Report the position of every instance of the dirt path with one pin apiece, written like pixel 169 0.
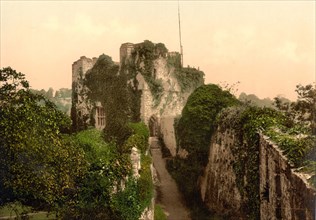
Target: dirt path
pixel 169 197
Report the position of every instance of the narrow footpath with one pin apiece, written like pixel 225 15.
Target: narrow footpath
pixel 169 197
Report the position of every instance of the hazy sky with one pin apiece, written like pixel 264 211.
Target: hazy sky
pixel 269 46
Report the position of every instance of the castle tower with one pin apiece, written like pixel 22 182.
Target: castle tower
pixel 126 50
pixel 81 109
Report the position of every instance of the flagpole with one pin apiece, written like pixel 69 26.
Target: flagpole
pixel 181 48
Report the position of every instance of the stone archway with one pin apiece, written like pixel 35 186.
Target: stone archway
pixel 153 126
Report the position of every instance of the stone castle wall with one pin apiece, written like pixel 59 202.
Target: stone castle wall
pixel 284 193
pixel 172 100
pixel 167 133
pixel 82 107
pixel 218 185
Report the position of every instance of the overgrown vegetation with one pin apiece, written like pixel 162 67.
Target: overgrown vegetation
pixel 247 122
pixel 38 164
pixel 302 111
pixel 106 85
pixel 79 176
pixel 193 132
pixel 142 61
pixel 108 190
pixel 189 78
pixel 206 110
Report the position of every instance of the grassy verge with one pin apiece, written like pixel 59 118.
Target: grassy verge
pixel 23 212
pixel 159 214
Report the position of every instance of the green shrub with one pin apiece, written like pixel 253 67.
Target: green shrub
pixel 140 128
pixel 197 123
pixel 106 168
pixel 193 133
pixel 130 202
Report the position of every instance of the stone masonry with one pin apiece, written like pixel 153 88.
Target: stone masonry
pixel 284 193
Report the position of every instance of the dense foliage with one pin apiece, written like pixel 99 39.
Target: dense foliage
pixel 107 86
pixel 131 201
pixel 78 176
pixel 246 122
pixel 206 111
pixel 37 163
pixel 197 122
pixel 193 132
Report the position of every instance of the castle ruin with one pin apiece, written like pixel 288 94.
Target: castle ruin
pixel 171 99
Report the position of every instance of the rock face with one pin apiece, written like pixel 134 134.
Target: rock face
pixel 284 193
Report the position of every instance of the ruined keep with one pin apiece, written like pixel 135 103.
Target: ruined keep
pixel 157 85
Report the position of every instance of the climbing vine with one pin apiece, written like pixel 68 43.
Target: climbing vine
pixel 189 78
pixel 247 122
pixel 142 61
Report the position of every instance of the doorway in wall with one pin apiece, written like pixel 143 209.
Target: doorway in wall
pixel 153 126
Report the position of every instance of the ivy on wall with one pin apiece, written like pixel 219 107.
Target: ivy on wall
pixel 79 117
pixel 189 78
pixel 208 109
pixel 144 55
pixel 246 122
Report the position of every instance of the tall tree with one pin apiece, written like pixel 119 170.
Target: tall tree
pixel 37 163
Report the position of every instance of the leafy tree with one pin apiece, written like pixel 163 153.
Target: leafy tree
pixel 303 110
pixel 37 163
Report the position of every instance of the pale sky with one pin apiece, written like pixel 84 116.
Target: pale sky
pixel 269 46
